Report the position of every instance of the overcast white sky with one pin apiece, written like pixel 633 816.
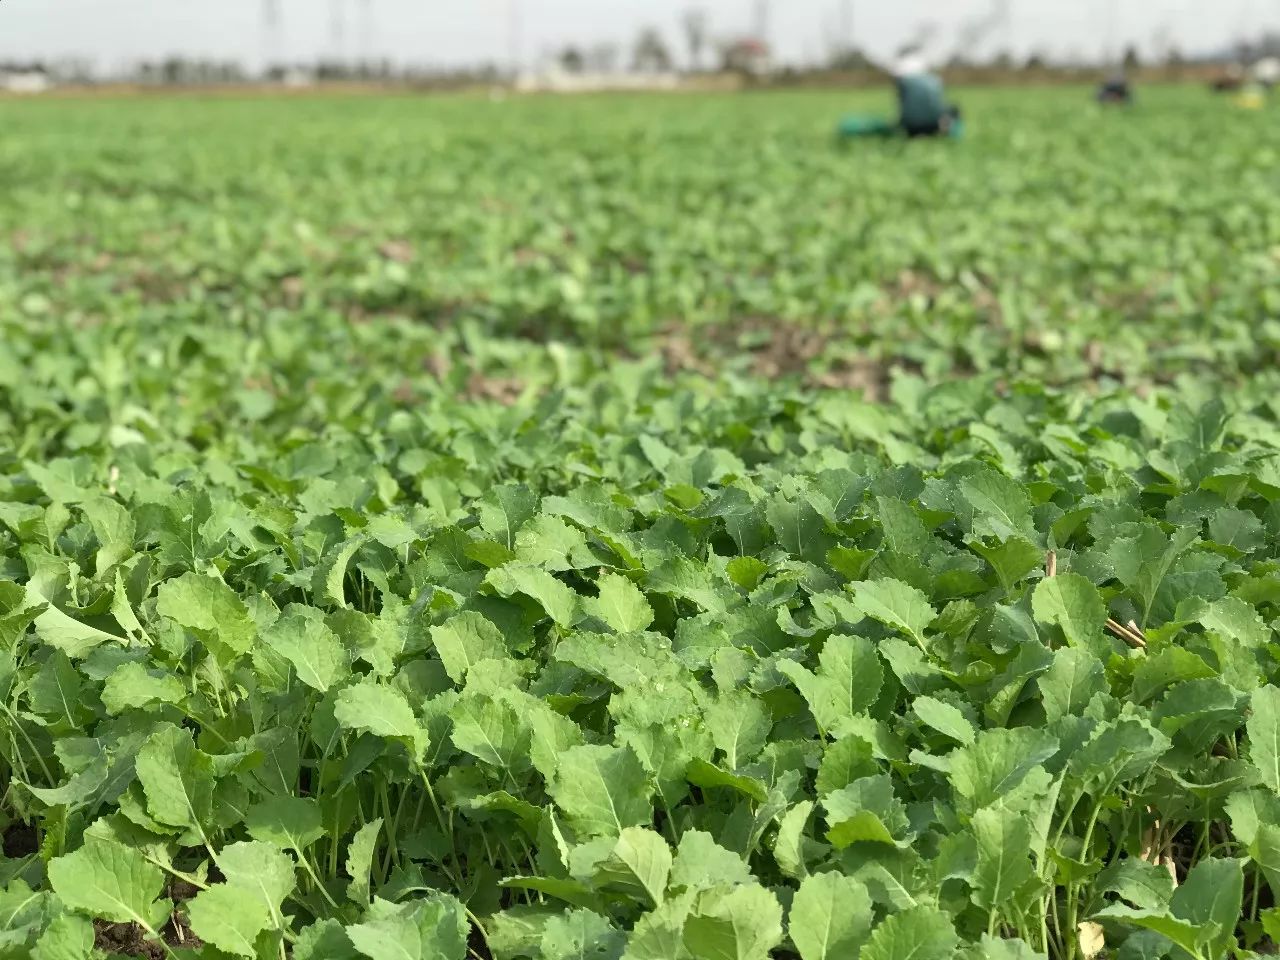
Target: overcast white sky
pixel 447 32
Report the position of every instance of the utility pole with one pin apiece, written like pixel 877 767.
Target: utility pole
pixel 271 33
pixel 367 32
pixel 338 30
pixel 1004 16
pixel 762 21
pixel 1112 55
pixel 514 27
pixel 846 25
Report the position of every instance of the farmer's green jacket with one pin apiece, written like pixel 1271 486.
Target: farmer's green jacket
pixel 921 101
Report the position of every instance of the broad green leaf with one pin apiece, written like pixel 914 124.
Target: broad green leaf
pixel 554 545
pixel 683 578
pixel 1249 809
pixel 1263 727
pixel 290 823
pixel 1199 712
pixel 1167 667
pixel 550 732
pixel 865 811
pixel 1264 850
pixel 1001 508
pixel 230 918
pixel 996 763
pixel 740 724
pixel 602 790
pixel 1004 867
pixel 360 860
pixel 1073 604
pixel 566 890
pixel 1234 618
pixel 848 680
pixel 830 917
pixel 1185 934
pixel 945 718
pixel 66 634
pixel 381 710
pixel 68 937
pixel 1143 561
pixel 84 783
pixel 262 868
pixel 1117 751
pixel 131 685
pixel 1074 678
pixel 111 882
pixel 314 650
pixel 903 530
pixel 1240 529
pixel 122 609
pixel 212 610
pixel 1211 897
pixel 434 929
pixel 895 604
pixel 734 923
pixel 639 864
pixel 843 762
pixel 580 935
pixel 113 526
pixel 517 931
pixel 492 731
pixel 792 845
pixel 176 778
pixel 329 582
pixel 1011 559
pixel 700 864
pixel 659 935
pixel 799 528
pixel 466 639
pixel 998 948
pixel 558 600
pixel 746 572
pixel 55 691
pixel 504 510
pixel 921 933
pixel 620 604
pixel 325 940
pixel 706 775
pixel 1144 885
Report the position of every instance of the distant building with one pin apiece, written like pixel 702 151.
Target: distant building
pixel 747 55
pixel 298 78
pixel 24 81
pixel 1267 71
pixel 293 76
pixel 555 79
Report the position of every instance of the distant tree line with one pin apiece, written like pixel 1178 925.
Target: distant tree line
pixel 702 50
pixel 179 71
pixel 651 52
pixel 64 70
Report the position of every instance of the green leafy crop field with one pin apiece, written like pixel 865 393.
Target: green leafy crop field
pixel 638 529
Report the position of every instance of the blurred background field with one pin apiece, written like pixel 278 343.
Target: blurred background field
pixel 600 512
pixel 457 240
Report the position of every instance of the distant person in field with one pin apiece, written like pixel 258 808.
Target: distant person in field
pixel 1116 90
pixel 923 110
